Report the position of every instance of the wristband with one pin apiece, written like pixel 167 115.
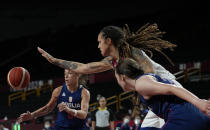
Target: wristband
pixel 75 112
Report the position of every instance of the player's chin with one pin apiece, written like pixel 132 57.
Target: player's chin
pixel 103 54
pixel 67 82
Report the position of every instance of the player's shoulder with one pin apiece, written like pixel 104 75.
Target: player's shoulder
pixel 145 77
pixel 85 91
pixel 58 88
pixel 136 51
pixel 107 59
pixel 56 91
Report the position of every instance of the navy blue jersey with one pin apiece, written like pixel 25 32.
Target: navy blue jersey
pixel 72 100
pixel 177 113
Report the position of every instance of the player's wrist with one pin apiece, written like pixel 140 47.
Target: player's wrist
pixel 53 59
pixel 33 116
pixel 196 101
pixel 75 112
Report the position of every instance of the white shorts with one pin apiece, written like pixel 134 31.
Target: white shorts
pixel 152 120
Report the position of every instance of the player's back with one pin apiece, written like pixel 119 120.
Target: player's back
pixel 158 69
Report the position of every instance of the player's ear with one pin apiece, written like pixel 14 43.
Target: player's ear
pixel 108 40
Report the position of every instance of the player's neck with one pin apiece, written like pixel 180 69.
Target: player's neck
pixel 131 83
pixel 72 87
pixel 114 53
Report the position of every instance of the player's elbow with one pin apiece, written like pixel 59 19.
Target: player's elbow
pixel 83 69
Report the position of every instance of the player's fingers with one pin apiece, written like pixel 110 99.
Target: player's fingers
pixel 60 109
pixel 44 56
pixel 20 120
pixel 22 115
pixel 59 105
pixel 40 49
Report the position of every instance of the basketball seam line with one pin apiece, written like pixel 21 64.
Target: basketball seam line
pixel 23 77
pixel 8 79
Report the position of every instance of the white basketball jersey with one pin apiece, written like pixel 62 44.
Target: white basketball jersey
pixel 161 71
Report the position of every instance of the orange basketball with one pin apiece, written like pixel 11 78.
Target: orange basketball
pixel 18 78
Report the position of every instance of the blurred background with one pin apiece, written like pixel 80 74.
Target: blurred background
pixel 69 31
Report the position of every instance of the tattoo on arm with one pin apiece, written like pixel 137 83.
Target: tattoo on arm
pixel 93 65
pixel 46 109
pixel 136 53
pixel 66 64
pixel 97 65
pixel 107 60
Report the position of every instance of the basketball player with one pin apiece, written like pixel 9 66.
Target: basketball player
pixel 180 109
pixel 116 43
pixel 72 101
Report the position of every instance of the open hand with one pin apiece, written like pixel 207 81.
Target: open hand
pixel 25 116
pixel 204 106
pixel 46 55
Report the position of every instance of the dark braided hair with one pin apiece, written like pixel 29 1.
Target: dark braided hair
pixel 147 38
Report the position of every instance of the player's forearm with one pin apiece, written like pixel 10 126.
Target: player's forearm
pixel 41 112
pixel 81 114
pixel 77 113
pixel 89 68
pixel 185 95
pixel 66 64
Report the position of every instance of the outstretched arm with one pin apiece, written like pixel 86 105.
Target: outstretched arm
pixel 42 111
pixel 150 87
pixel 82 114
pixel 89 68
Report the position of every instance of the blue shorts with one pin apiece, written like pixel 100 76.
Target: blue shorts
pixel 68 128
pixel 186 117
pixel 150 128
